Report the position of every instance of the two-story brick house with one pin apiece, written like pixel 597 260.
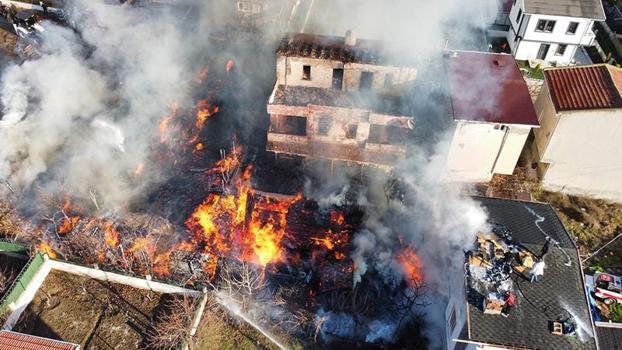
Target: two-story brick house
pixel 552 30
pixel 338 99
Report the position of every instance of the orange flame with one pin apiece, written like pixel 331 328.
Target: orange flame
pixel 337 217
pixel 111 235
pixel 204 111
pixel 411 265
pixel 68 224
pixel 161 264
pixel 43 247
pixel 164 123
pixel 224 224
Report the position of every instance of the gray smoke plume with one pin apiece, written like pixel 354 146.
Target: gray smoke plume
pixel 85 113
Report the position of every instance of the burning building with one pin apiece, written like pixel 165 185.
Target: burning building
pixel 496 306
pixel 339 99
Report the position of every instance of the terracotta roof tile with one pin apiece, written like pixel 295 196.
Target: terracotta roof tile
pixel 18 341
pixel 585 87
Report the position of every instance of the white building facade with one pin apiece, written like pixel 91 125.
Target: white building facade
pixel 552 31
pixel 578 145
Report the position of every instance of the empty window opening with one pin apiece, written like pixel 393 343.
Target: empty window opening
pixel 572 28
pixel 387 134
pixel 520 13
pixel 337 79
pixel 290 125
pixel 545 26
pixel 351 130
pixel 306 72
pixel 367 79
pixel 323 125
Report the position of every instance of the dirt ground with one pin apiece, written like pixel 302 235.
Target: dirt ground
pixel 92 313
pixel 218 330
pixel 593 222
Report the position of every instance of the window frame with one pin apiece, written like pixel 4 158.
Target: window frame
pixel 545 23
pixel 576 24
pixel 520 14
pixel 306 72
pixel 557 49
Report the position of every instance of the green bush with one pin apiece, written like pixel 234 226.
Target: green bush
pixel 615 312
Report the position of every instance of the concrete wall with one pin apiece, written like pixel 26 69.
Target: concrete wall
pixel 289 72
pixel 22 302
pixel 548 121
pixel 475 147
pixel 584 155
pixel 457 303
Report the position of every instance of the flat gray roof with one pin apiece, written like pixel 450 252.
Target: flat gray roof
pixel 592 9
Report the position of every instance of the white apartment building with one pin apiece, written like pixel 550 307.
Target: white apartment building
pixel 552 30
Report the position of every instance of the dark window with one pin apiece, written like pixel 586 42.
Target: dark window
pixel 290 125
pixel 572 28
pixel 367 79
pixel 323 125
pixel 337 79
pixel 543 51
pixel 387 134
pixel 561 49
pixel 545 26
pixel 520 13
pixel 388 80
pixel 306 72
pixel 351 131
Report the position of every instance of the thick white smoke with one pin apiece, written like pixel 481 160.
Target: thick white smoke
pixel 84 114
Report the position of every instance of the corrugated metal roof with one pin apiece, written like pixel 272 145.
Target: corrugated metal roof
pixel 592 9
pixel 19 341
pixel 488 87
pixel 585 87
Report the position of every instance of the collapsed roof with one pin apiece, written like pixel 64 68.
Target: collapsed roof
pixel 334 48
pixel 304 96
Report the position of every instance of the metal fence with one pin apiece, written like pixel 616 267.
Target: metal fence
pixel 21 282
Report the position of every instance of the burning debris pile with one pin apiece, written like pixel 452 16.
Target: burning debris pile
pixel 154 188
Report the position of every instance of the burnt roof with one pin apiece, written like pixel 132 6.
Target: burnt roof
pixel 561 287
pixel 19 341
pixel 592 9
pixel 585 87
pixel 303 96
pixel 334 48
pixel 488 87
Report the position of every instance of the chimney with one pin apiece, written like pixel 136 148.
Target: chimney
pixel 350 38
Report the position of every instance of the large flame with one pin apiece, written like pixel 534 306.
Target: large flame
pixel 227 226
pixel 411 265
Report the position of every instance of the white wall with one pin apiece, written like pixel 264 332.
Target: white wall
pixel 585 154
pixel 527 48
pixel 475 146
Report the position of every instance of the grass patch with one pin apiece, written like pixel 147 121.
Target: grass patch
pixel 533 73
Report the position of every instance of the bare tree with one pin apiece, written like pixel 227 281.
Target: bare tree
pixel 241 282
pixel 6 279
pixel 173 328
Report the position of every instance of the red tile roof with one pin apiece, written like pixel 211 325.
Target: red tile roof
pixel 18 341
pixel 585 87
pixel 488 87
